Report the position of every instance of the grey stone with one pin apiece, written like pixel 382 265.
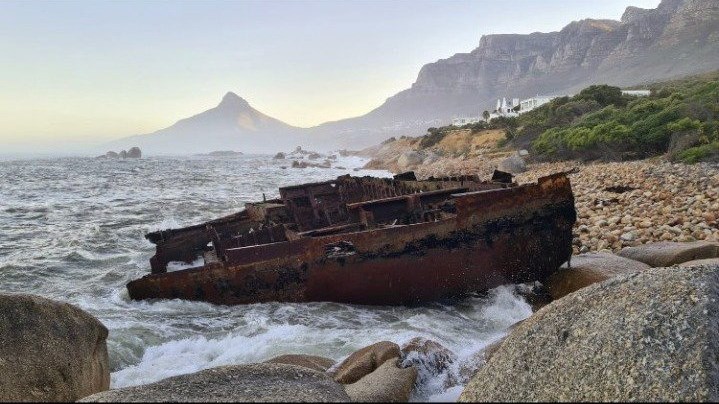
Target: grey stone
pixel 50 351
pixel 588 269
pixel 512 164
pixel 313 362
pixel 695 263
pixel 134 153
pixel 666 253
pixel 388 383
pixel 430 358
pixel 365 361
pixel 651 335
pixel 257 382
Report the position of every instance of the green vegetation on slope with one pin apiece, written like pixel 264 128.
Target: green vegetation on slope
pixel 679 117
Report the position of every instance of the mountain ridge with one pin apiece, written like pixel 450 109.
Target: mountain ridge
pixel 678 38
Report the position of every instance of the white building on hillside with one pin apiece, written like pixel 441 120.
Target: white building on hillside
pixel 534 102
pixel 637 93
pixel 466 120
pixel 505 108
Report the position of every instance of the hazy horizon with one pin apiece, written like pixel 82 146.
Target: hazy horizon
pixel 80 72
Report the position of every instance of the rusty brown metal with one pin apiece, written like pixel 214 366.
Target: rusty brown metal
pixel 371 240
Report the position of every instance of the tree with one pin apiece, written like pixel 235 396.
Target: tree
pixel 485 115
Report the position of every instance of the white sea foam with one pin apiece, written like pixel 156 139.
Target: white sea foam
pixel 180 265
pixel 268 330
pixel 74 231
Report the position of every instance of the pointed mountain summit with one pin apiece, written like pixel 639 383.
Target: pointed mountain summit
pixel 232 125
pixel 233 101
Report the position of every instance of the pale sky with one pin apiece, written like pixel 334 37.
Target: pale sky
pixel 72 71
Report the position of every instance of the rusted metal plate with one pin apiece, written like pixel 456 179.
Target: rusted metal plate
pixel 454 244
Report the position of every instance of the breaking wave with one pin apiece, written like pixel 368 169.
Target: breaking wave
pixel 74 231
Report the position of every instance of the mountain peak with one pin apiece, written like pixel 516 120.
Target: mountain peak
pixel 232 100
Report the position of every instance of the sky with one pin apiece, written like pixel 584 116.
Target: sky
pixel 79 71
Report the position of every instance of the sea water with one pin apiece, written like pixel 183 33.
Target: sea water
pixel 72 229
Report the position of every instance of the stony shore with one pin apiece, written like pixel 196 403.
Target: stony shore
pixel 632 203
pixel 622 204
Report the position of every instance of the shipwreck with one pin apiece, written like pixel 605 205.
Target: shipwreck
pixel 366 240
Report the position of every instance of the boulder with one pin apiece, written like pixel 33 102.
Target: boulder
pixel 409 159
pixel 50 351
pixel 134 153
pixel 695 263
pixel 513 164
pixel 651 335
pixel 264 382
pixel 112 155
pixel 313 362
pixel 365 361
pixel 430 357
pixel 279 156
pixel 587 269
pixel 387 384
pixel 665 253
pixel 123 154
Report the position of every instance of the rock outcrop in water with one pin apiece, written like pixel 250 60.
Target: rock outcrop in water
pixel 651 335
pixel 50 351
pixel 133 153
pixel 267 382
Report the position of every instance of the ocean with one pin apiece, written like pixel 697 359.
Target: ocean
pixel 73 230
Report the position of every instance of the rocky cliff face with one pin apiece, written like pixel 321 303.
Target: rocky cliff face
pixel 679 37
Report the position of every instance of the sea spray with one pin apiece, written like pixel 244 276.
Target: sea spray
pixel 73 230
pixel 334 330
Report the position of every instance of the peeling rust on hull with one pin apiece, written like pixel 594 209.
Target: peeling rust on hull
pixel 370 241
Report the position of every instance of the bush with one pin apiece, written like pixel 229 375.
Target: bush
pixel 696 154
pixel 601 123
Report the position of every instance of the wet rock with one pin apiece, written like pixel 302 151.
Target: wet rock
pixel 313 362
pixel 513 164
pixel 664 254
pixel 645 336
pixel 365 361
pixel 50 351
pixel 388 383
pixel 588 269
pixel 268 382
pixel 429 357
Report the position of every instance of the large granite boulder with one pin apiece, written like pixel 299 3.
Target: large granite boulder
pixel 695 263
pixel 387 384
pixel 588 269
pixel 50 351
pixel 666 253
pixel 134 153
pixel 651 335
pixel 365 361
pixel 257 382
pixel 313 362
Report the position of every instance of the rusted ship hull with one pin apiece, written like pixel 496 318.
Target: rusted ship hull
pixel 496 237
